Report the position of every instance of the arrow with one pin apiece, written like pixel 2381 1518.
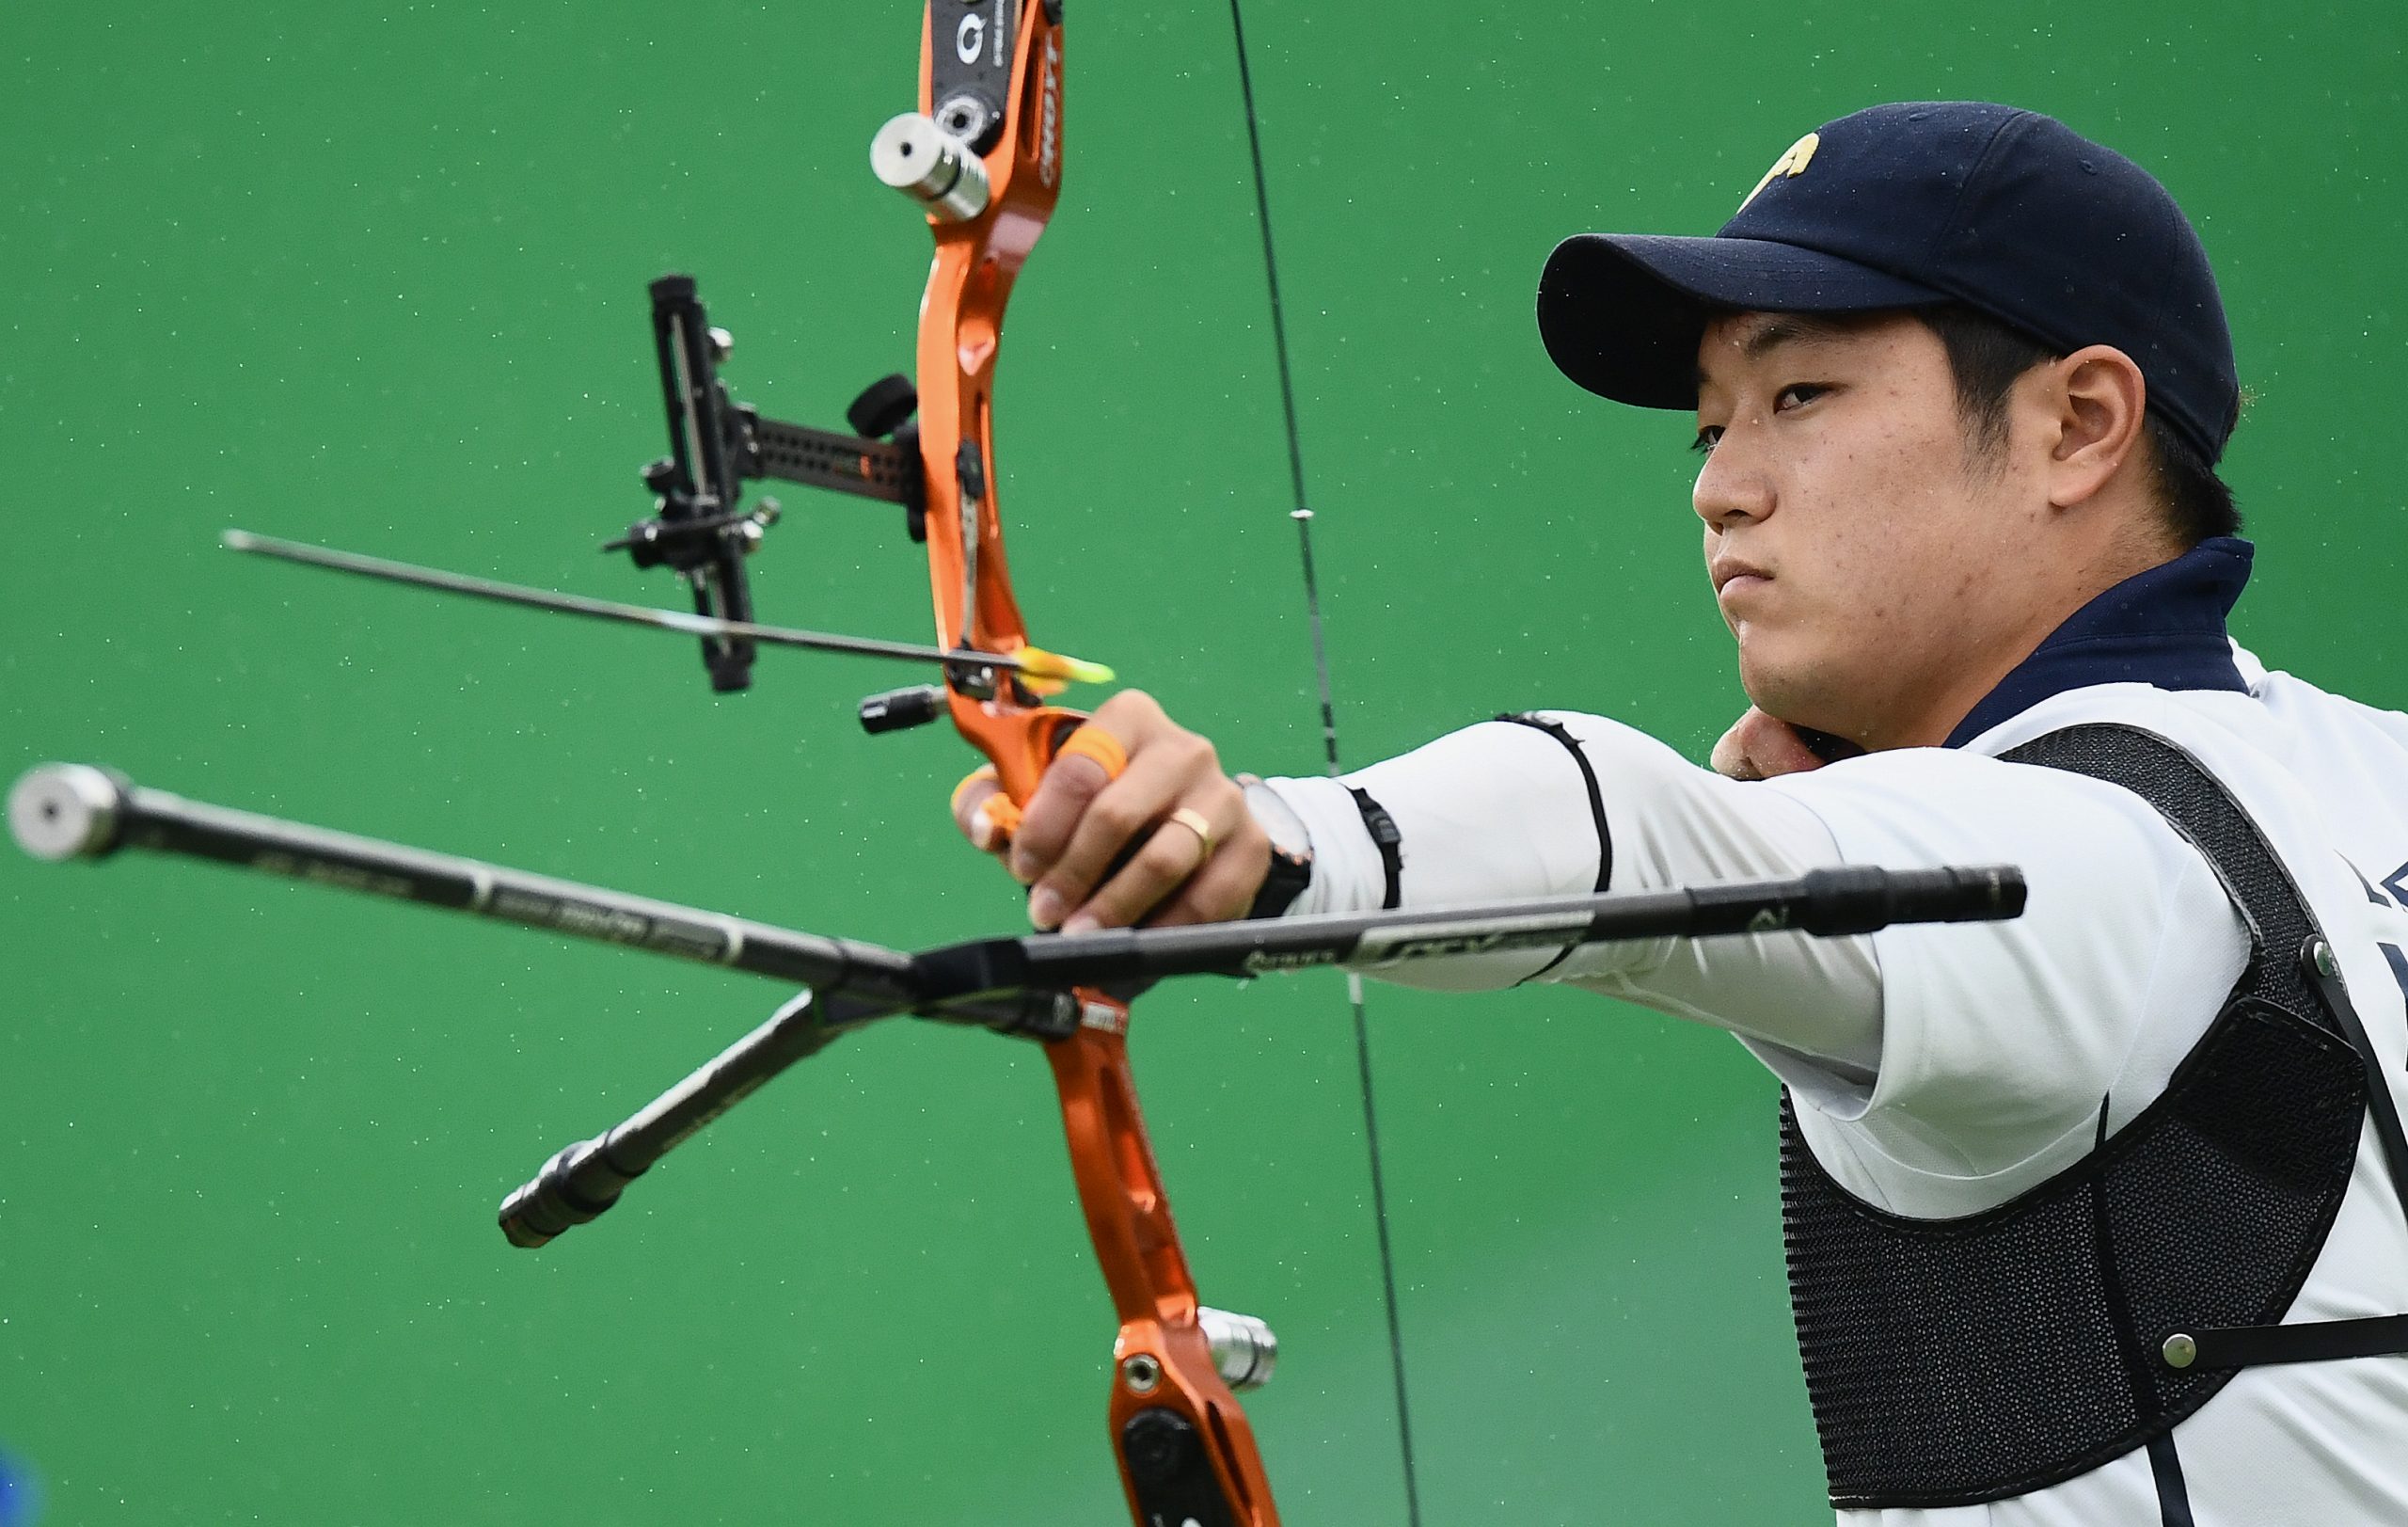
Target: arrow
pixel 1040 667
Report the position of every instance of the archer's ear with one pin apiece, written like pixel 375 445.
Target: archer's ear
pixel 2099 401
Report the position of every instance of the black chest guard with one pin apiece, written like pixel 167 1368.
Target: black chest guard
pixel 1954 1362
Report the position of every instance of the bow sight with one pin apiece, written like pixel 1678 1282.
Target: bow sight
pixel 716 445
pixel 697 527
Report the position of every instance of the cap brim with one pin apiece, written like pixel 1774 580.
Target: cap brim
pixel 1622 313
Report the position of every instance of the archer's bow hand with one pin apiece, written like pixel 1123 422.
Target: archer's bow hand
pixel 1167 840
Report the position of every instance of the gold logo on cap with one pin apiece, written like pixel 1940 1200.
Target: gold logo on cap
pixel 1793 161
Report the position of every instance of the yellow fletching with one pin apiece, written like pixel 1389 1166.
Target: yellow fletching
pixel 1048 673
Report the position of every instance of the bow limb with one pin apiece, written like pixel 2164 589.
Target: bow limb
pixel 1186 1452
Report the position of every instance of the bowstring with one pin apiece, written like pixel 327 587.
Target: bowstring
pixel 1302 516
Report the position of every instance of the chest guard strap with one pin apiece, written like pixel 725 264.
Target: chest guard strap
pixel 1954 1361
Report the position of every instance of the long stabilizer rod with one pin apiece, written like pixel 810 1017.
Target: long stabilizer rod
pixel 70 811
pixel 77 811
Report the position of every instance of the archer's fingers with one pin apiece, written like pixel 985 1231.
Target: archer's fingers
pixel 1729 755
pixel 1223 890
pixel 1130 719
pixel 1071 784
pixel 1177 768
pixel 1176 861
pixel 970 799
pixel 1759 746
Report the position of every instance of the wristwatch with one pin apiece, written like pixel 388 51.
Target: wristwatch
pixel 1292 849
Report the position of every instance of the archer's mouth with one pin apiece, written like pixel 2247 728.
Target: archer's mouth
pixel 1730 572
pixel 1735 586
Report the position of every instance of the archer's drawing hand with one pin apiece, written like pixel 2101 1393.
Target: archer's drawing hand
pixel 1081 820
pixel 1758 746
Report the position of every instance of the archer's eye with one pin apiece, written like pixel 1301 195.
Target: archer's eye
pixel 1708 436
pixel 1797 395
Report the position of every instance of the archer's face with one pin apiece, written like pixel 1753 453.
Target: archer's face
pixel 1861 553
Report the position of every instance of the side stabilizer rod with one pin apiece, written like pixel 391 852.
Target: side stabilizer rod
pixel 583 1181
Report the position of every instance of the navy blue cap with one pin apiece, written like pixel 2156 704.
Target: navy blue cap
pixel 2003 211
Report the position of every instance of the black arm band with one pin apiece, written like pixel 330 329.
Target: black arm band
pixel 1588 776
pixel 1384 832
pixel 1597 811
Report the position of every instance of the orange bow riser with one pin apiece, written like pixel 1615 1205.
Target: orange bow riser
pixel 984 155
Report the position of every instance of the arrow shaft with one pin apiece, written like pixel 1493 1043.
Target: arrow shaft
pixel 579 604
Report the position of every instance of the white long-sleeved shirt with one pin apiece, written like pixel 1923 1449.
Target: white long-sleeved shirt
pixel 1941 1070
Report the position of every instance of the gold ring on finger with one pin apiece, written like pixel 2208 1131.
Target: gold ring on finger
pixel 1197 822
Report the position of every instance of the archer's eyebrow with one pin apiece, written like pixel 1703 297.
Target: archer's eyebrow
pixel 1780 329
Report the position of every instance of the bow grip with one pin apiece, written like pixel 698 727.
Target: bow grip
pixel 1033 739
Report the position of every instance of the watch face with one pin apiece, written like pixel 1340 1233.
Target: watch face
pixel 1278 821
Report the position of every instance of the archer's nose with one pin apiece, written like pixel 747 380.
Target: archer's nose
pixel 1730 490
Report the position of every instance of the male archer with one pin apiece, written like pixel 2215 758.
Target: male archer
pixel 2092 1217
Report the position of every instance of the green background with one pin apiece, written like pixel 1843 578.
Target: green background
pixel 374 277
